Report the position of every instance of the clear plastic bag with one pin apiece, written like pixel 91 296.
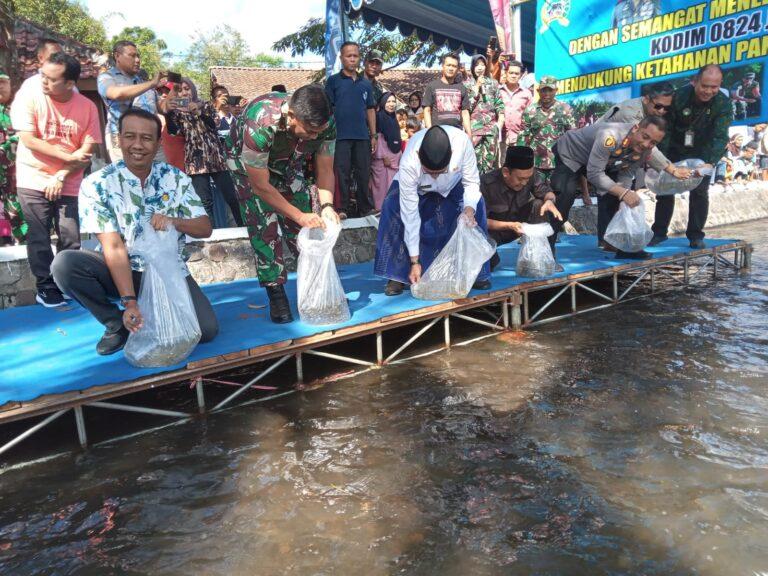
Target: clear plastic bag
pixel 170 330
pixel 664 184
pixel 535 259
pixel 454 271
pixel 321 295
pixel 628 230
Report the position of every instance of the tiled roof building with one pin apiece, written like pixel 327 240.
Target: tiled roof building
pixel 252 82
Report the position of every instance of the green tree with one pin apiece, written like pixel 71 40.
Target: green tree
pixel 67 17
pixel 222 46
pixel 397 49
pixel 153 50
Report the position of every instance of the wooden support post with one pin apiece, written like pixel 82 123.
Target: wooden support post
pixel 200 396
pixel 80 422
pixel 505 313
pixel 517 311
pixel 573 296
pixel 379 349
pixel 299 368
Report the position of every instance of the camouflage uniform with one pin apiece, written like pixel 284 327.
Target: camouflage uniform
pixel 485 107
pixel 541 129
pixel 260 139
pixel 11 205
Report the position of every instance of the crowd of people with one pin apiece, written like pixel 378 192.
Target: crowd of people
pixel 476 144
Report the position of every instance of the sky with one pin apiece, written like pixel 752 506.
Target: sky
pixel 175 20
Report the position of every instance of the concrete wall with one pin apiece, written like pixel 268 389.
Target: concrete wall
pixel 225 257
pixel 228 256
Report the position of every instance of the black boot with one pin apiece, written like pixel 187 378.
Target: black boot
pixel 279 308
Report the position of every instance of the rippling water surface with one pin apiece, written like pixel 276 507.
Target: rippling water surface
pixel 627 441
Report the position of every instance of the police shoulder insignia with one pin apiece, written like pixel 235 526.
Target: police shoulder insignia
pixel 609 142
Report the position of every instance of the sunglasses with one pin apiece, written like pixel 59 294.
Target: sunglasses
pixel 661 106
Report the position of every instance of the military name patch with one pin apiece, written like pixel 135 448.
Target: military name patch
pixel 610 142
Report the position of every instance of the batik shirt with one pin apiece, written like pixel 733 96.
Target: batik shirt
pixel 8 140
pixel 115 108
pixel 113 200
pixel 203 152
pixel 485 106
pixel 542 128
pixel 260 139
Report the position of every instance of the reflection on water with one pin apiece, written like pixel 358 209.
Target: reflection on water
pixel 629 441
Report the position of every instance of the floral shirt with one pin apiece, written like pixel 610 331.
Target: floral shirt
pixel 542 128
pixel 260 139
pixel 113 200
pixel 203 151
pixel 485 106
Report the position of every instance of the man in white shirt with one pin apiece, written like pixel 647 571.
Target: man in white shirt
pixel 437 182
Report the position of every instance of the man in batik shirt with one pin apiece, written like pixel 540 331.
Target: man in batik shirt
pixel 543 123
pixel 281 150
pixel 12 223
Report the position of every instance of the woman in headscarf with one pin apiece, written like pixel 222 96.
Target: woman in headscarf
pixel 12 224
pixel 486 112
pixel 415 109
pixel 204 157
pixel 386 159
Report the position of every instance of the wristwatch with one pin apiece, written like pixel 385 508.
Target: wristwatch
pixel 125 299
pixel 59 177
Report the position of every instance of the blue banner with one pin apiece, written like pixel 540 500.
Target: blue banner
pixel 334 36
pixel 605 51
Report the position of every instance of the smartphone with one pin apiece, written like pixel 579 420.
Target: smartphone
pixel 182 103
pixel 234 100
pixel 174 77
pixel 493 43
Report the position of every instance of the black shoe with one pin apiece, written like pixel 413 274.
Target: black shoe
pixel 656 240
pixel 642 255
pixel 482 285
pixel 111 342
pixel 697 244
pixel 279 308
pixel 495 261
pixel 394 288
pixel 50 297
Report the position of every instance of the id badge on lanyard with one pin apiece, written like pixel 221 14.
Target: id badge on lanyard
pixel 688 139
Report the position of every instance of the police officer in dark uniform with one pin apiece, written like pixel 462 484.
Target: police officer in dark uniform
pixel 513 195
pixel 698 128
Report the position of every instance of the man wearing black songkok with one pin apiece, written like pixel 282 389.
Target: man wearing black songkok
pixel 437 182
pixel 514 195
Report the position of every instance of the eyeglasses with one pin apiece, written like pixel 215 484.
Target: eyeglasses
pixel 661 106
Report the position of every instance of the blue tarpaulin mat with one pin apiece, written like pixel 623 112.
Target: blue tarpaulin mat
pixel 48 351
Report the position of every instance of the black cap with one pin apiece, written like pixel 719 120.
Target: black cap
pixel 519 158
pixel 374 55
pixel 435 151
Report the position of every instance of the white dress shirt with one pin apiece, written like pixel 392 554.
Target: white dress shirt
pixel 414 182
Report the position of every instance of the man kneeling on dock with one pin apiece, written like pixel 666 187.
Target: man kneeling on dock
pixel 116 204
pixel 437 181
pixel 514 194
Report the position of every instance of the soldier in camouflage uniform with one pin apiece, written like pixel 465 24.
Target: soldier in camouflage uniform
pixel 12 224
pixel 281 152
pixel 486 114
pixel 543 123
